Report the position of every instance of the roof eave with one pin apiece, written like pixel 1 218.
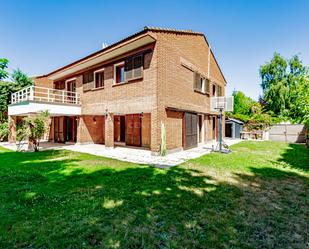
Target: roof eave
pixel 137 41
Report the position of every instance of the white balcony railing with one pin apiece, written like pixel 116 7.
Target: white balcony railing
pixel 43 94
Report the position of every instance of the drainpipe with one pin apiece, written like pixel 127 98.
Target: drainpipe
pixel 209 51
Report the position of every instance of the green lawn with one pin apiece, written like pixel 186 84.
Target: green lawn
pixel 255 197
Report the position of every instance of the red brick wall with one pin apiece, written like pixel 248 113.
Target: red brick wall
pixel 43 82
pixel 91 129
pixel 174 129
pixel 175 82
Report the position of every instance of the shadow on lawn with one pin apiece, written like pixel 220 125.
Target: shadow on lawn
pixel 145 207
pixel 296 156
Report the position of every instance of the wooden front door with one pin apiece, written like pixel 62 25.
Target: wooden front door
pixel 59 126
pixel 133 129
pixel 190 130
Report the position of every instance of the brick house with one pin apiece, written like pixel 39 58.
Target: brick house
pixel 122 94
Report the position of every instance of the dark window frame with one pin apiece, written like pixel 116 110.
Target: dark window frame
pixel 117 80
pixel 101 73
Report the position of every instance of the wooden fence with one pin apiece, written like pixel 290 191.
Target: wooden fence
pixel 290 133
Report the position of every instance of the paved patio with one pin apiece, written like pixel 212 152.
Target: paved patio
pixel 139 156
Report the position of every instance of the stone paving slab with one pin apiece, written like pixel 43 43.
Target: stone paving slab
pixel 133 155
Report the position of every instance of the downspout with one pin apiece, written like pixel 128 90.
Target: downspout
pixel 209 51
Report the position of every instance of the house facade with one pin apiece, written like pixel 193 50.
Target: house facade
pixel 122 94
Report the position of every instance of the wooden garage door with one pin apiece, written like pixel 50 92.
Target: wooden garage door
pixel 190 130
pixel 133 129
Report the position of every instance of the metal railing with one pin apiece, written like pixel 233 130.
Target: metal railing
pixel 43 94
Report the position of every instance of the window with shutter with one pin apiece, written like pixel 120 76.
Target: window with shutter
pixel 137 66
pixel 219 91
pixel 214 90
pixel 128 69
pixel 196 80
pixel 88 77
pixel 119 73
pixel 99 79
pixel 207 86
pixel 199 83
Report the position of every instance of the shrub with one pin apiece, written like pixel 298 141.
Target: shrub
pixel 4 131
pixel 33 128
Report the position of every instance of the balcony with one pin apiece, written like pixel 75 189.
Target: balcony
pixel 33 99
pixel 43 94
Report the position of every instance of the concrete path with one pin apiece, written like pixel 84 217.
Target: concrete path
pixel 139 156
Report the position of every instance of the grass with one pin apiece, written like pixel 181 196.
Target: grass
pixel 255 197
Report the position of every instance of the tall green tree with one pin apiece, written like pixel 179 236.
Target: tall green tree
pixel 21 79
pixel 18 81
pixel 3 68
pixel 275 85
pixel 242 104
pixel 281 82
pixel 299 107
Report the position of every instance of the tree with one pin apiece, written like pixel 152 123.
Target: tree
pixel 299 108
pixel 250 112
pixel 4 131
pixel 275 85
pixel 282 81
pixel 6 88
pixel 3 68
pixel 21 79
pixel 242 103
pixel 33 129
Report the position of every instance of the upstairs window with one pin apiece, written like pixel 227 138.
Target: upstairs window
pixel 88 77
pixel 130 69
pixel 99 78
pixel 220 93
pixel 207 85
pixel 199 83
pixel 214 90
pixel 59 85
pixel 119 73
pixel 217 90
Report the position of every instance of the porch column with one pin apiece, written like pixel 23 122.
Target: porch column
pixel 109 130
pixel 12 128
pixel 79 123
pixel 155 135
pixel 203 130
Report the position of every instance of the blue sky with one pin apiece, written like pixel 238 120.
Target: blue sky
pixel 39 36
